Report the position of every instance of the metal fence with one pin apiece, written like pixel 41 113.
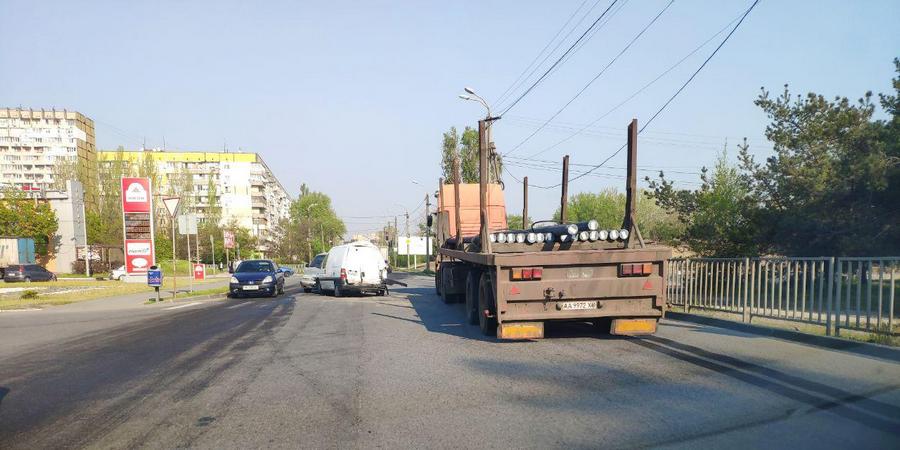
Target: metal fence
pixel 850 293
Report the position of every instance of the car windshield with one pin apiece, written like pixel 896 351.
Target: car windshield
pixel 317 261
pixel 255 266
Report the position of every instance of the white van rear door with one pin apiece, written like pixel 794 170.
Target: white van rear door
pixel 371 265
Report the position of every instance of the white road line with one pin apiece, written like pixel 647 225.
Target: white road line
pixel 181 306
pixel 238 305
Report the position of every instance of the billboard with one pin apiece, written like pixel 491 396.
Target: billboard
pixel 416 245
pixel 137 223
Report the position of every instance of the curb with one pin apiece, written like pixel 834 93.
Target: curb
pixel 833 343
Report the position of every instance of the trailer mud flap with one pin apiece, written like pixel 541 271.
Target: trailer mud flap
pixel 633 327
pixel 521 330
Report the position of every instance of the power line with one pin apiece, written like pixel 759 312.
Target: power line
pixel 558 61
pixel 596 77
pixel 515 85
pixel 666 104
pixel 639 91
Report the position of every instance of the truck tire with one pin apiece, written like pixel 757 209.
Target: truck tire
pixel 487 304
pixel 445 297
pixel 437 282
pixel 472 284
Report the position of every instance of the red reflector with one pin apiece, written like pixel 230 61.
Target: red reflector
pixel 627 269
pixel 526 274
pixel 517 274
pixel 343 274
pixel 537 273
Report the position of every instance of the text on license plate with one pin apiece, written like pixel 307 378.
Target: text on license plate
pixel 568 306
pixel 251 288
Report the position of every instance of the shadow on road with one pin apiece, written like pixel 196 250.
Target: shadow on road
pixel 860 408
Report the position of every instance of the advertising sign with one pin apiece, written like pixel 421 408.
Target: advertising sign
pixel 138 255
pixel 415 244
pixel 137 224
pixel 154 277
pixel 136 195
pixel 199 271
pixel 228 236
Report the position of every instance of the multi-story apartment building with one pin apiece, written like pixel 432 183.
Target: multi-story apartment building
pixel 247 192
pixel 36 144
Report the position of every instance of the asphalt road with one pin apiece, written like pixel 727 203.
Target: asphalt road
pixel 404 372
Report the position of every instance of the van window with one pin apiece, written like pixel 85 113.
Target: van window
pixel 318 261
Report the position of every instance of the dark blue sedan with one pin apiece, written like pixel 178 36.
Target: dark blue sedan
pixel 256 277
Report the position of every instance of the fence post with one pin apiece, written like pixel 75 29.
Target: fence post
pixel 828 309
pixel 744 309
pixel 689 269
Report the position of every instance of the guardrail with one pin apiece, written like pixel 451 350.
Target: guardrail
pixel 856 293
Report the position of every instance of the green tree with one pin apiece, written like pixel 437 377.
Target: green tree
pixel 465 147
pixel 317 225
pixel 608 208
pixel 514 221
pixel 23 217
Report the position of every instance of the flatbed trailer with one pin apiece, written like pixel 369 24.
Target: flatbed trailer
pixel 511 289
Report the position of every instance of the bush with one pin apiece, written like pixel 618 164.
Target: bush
pixel 96 266
pixel 29 294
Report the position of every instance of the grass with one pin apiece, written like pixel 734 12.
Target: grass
pixel 81 291
pixel 196 293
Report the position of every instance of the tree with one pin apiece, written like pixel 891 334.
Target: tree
pixel 514 221
pixel 608 208
pixel 317 225
pixel 23 217
pixel 465 147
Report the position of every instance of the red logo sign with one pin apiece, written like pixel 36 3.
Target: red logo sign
pixel 228 237
pixel 513 290
pixel 136 194
pixel 138 255
pixel 199 271
pixel 648 286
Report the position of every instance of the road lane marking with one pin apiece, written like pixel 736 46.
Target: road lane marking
pixel 238 305
pixel 181 306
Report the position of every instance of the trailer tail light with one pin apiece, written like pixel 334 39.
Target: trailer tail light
pixel 344 274
pixel 635 270
pixel 526 273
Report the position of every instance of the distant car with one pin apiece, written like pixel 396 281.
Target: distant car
pixel 312 271
pixel 27 273
pixel 357 268
pixel 118 274
pixel 256 277
pixel 287 271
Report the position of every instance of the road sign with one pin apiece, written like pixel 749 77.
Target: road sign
pixel 154 277
pixel 199 271
pixel 171 205
pixel 187 224
pixel 228 236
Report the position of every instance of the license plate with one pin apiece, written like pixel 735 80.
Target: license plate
pixel 251 288
pixel 569 306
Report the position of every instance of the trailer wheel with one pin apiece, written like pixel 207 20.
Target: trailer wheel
pixel 603 324
pixel 487 306
pixel 447 298
pixel 472 285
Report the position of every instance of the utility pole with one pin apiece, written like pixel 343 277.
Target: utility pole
pixel 212 249
pixel 396 243
pixel 525 203
pixel 427 233
pixel 190 266
pixel 87 246
pixel 407 240
pixel 564 201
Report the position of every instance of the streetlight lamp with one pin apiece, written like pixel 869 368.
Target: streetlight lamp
pixel 476 98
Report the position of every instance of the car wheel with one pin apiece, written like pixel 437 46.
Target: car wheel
pixel 307 290
pixel 121 277
pixel 28 279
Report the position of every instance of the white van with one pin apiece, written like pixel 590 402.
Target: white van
pixel 357 267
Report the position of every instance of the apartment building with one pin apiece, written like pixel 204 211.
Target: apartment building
pixel 39 146
pixel 246 190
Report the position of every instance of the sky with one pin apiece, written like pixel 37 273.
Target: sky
pixel 352 98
